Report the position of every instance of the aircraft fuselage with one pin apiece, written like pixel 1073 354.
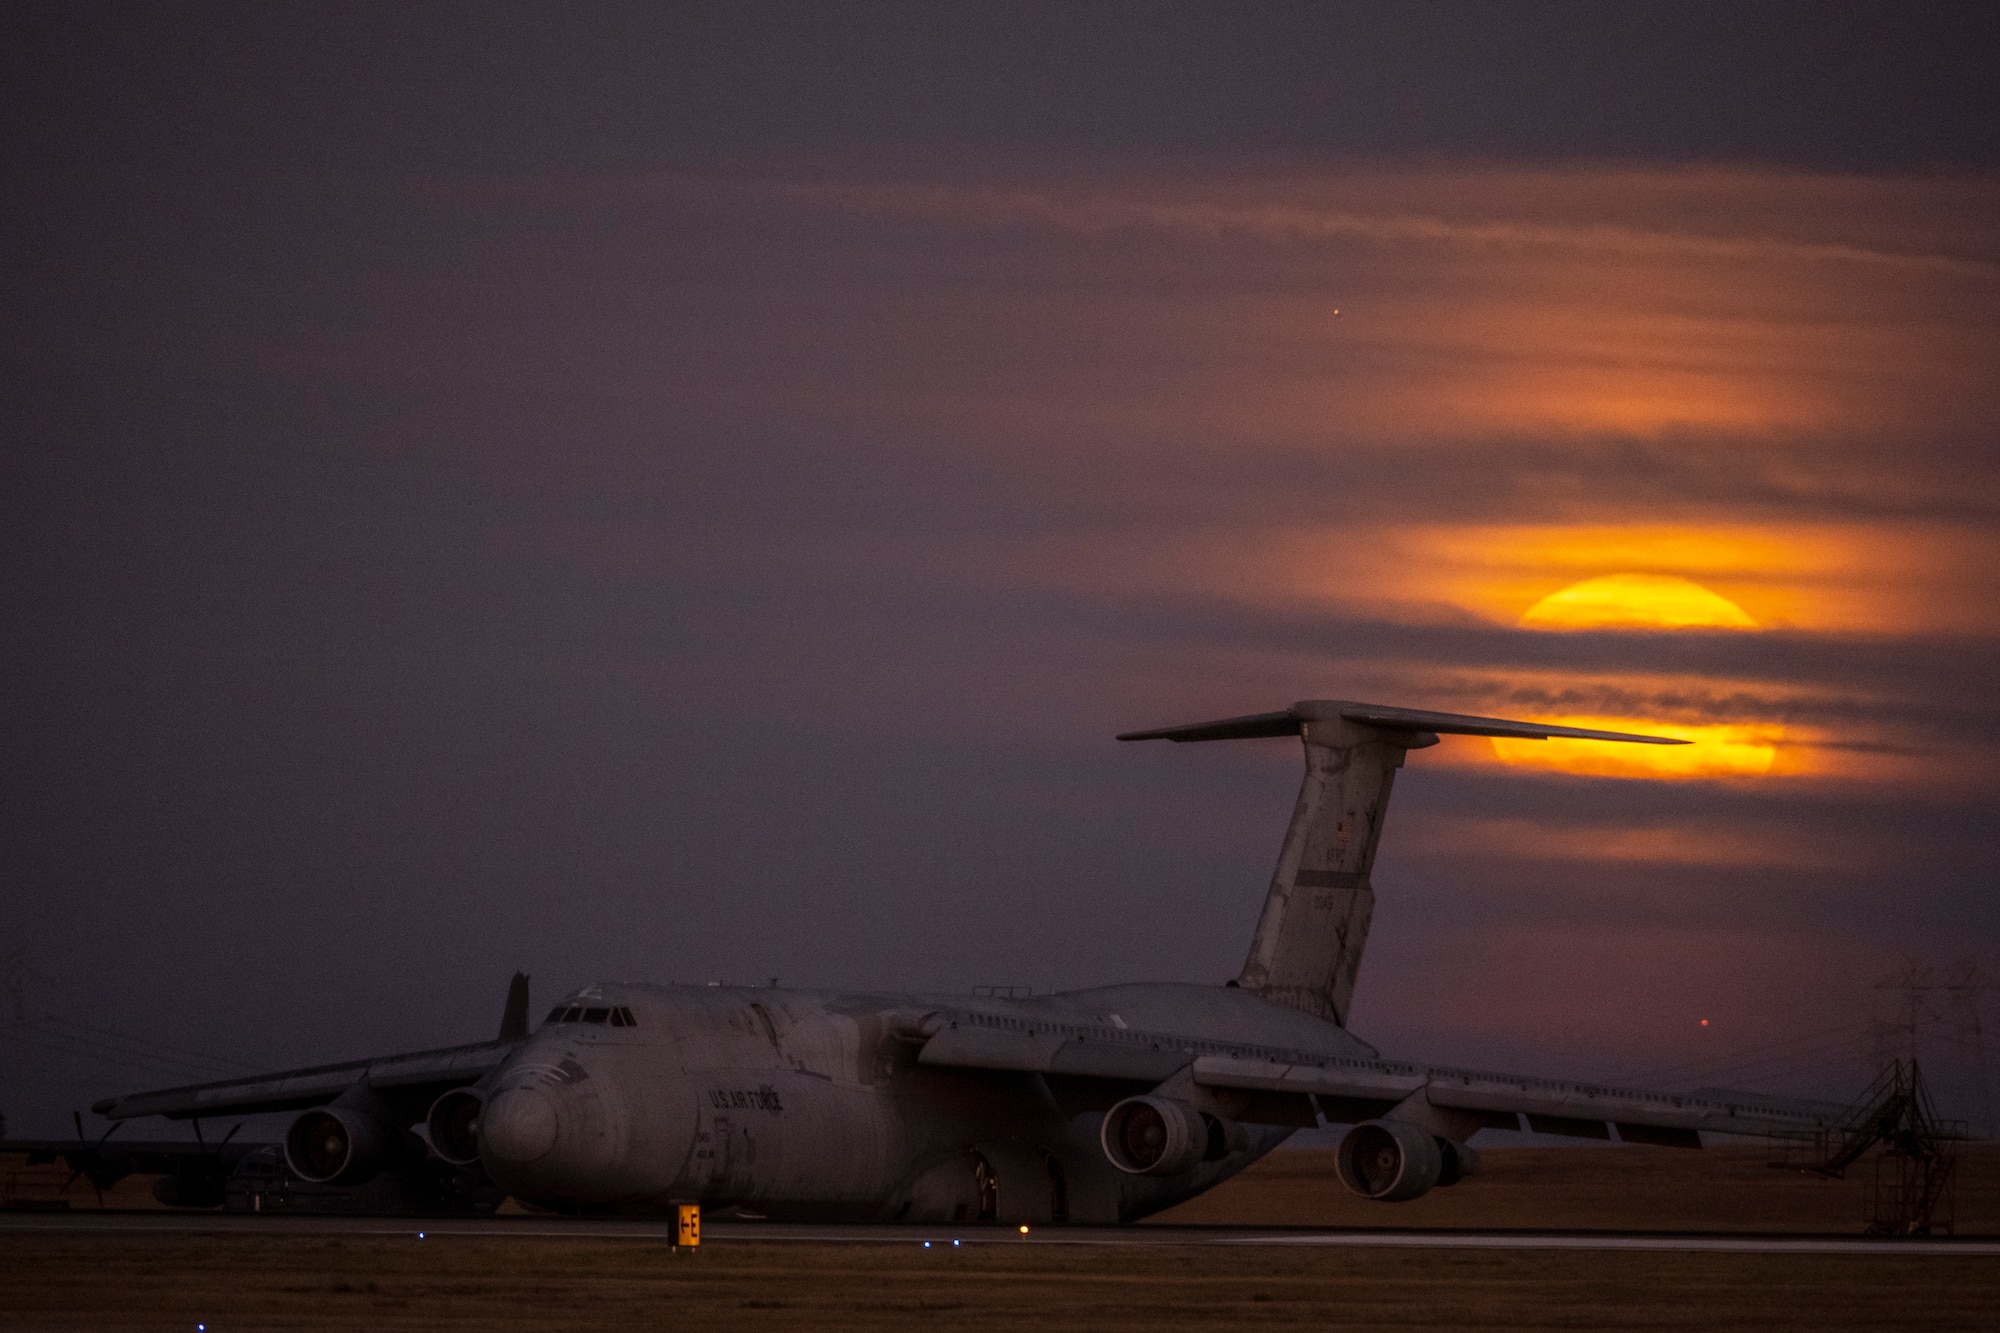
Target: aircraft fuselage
pixel 801 1105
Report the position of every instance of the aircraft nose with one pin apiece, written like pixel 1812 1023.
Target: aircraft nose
pixel 519 1125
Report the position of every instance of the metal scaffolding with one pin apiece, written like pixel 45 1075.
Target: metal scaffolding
pixel 1912 1193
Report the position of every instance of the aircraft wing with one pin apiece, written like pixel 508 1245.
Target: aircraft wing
pixel 1288 1091
pixel 1347 1091
pixel 296 1089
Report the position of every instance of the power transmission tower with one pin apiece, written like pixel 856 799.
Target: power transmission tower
pixel 1942 1004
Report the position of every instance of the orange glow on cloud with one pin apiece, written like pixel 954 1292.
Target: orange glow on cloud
pixel 1875 577
pixel 1496 302
pixel 1704 843
pixel 1583 399
pixel 1713 751
pixel 1751 339
pixel 1581 362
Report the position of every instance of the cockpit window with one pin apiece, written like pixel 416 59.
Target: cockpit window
pixel 555 1015
pixel 621 1017
pixel 596 1015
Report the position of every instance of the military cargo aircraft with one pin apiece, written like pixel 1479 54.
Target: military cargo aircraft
pixel 1092 1106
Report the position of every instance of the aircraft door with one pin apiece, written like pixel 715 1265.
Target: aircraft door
pixel 733 1158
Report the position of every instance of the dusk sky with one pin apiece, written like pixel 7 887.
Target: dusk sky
pixel 690 493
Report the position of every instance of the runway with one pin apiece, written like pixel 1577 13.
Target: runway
pixel 660 1230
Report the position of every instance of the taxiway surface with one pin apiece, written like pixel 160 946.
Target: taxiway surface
pixel 658 1230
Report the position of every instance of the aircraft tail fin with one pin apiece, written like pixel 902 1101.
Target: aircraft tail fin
pixel 514 1018
pixel 1307 949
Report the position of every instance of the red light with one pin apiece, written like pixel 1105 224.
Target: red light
pixel 1704 1022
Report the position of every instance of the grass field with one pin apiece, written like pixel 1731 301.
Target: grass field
pixel 1610 1189
pixel 135 1280
pixel 175 1281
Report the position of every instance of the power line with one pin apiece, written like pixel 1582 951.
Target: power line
pixel 121 1059
pixel 1769 1065
pixel 1742 1054
pixel 143 1043
pixel 62 1035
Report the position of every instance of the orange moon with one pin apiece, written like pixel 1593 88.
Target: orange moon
pixel 1636 601
pixel 1644 602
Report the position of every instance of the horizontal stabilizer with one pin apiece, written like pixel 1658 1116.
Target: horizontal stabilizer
pixel 1228 729
pixel 1414 720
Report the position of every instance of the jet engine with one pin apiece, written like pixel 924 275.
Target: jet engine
pixel 334 1145
pixel 453 1124
pixel 1393 1160
pixel 1156 1136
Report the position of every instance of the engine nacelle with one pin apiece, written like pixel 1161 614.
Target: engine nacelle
pixel 1155 1136
pixel 334 1145
pixel 453 1125
pixel 1391 1160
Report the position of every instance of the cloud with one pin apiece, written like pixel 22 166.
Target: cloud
pixel 504 551
pixel 1551 311
pixel 1092 211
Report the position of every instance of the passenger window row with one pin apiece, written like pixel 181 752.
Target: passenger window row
pixel 621 1017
